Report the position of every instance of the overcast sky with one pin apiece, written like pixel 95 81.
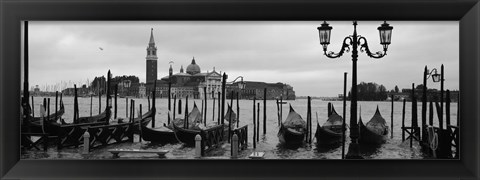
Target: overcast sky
pixel 271 51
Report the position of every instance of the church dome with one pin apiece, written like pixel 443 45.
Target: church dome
pixel 193 68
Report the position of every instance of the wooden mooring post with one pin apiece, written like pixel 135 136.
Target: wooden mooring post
pixel 140 124
pixel 224 81
pixel 205 111
pixel 278 113
pixel 391 120
pixel 91 104
pixel 169 98
pixel 219 109
pixel 33 109
pixel 264 110
pixel 230 107
pixel 258 122
pixel 186 113
pixel 132 114
pixel 344 125
pixel 56 103
pixel 424 108
pixel 99 101
pixel 430 114
pixel 75 106
pixel 48 107
pixel 179 106
pixel 309 119
pixel 403 119
pixel 154 96
pixel 254 126
pixel 201 110
pixel 174 105
pixel 115 107
pixel 281 107
pixel 447 108
pixel 126 107
pixel 45 137
pixel 238 110
pixel 413 130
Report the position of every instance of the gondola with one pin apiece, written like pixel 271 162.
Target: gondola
pixel 161 135
pixel 97 120
pixel 375 131
pixel 50 118
pixel 195 126
pixel 330 133
pixel 186 134
pixel 100 118
pixel 36 122
pixel 293 130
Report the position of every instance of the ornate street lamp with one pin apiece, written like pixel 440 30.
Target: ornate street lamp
pixel 241 85
pixel 354 41
pixel 434 74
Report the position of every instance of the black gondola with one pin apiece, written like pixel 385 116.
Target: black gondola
pixel 375 131
pixel 161 135
pixel 187 135
pixel 195 126
pixel 52 117
pixel 330 133
pixel 36 122
pixel 293 130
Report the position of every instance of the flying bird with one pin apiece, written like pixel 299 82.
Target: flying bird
pixel 100 48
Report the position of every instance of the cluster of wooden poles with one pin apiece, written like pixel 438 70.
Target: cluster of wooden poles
pixel 46 105
pixel 256 118
pixel 445 136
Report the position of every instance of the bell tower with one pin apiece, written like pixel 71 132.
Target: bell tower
pixel 151 60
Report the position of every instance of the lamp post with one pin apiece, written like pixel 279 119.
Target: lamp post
pixel 355 41
pixel 437 78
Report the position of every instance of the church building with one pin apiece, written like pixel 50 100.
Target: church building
pixel 190 83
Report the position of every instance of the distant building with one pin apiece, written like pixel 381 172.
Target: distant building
pixel 432 95
pixel 256 90
pixel 190 83
pixel 81 92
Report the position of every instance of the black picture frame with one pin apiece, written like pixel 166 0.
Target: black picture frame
pixel 12 12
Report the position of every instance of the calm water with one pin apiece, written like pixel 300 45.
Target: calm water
pixel 392 149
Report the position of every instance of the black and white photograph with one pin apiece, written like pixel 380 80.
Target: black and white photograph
pixel 240 90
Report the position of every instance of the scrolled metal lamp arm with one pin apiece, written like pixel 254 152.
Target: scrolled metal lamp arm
pixel 364 48
pixel 430 73
pixel 345 48
pixel 236 79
